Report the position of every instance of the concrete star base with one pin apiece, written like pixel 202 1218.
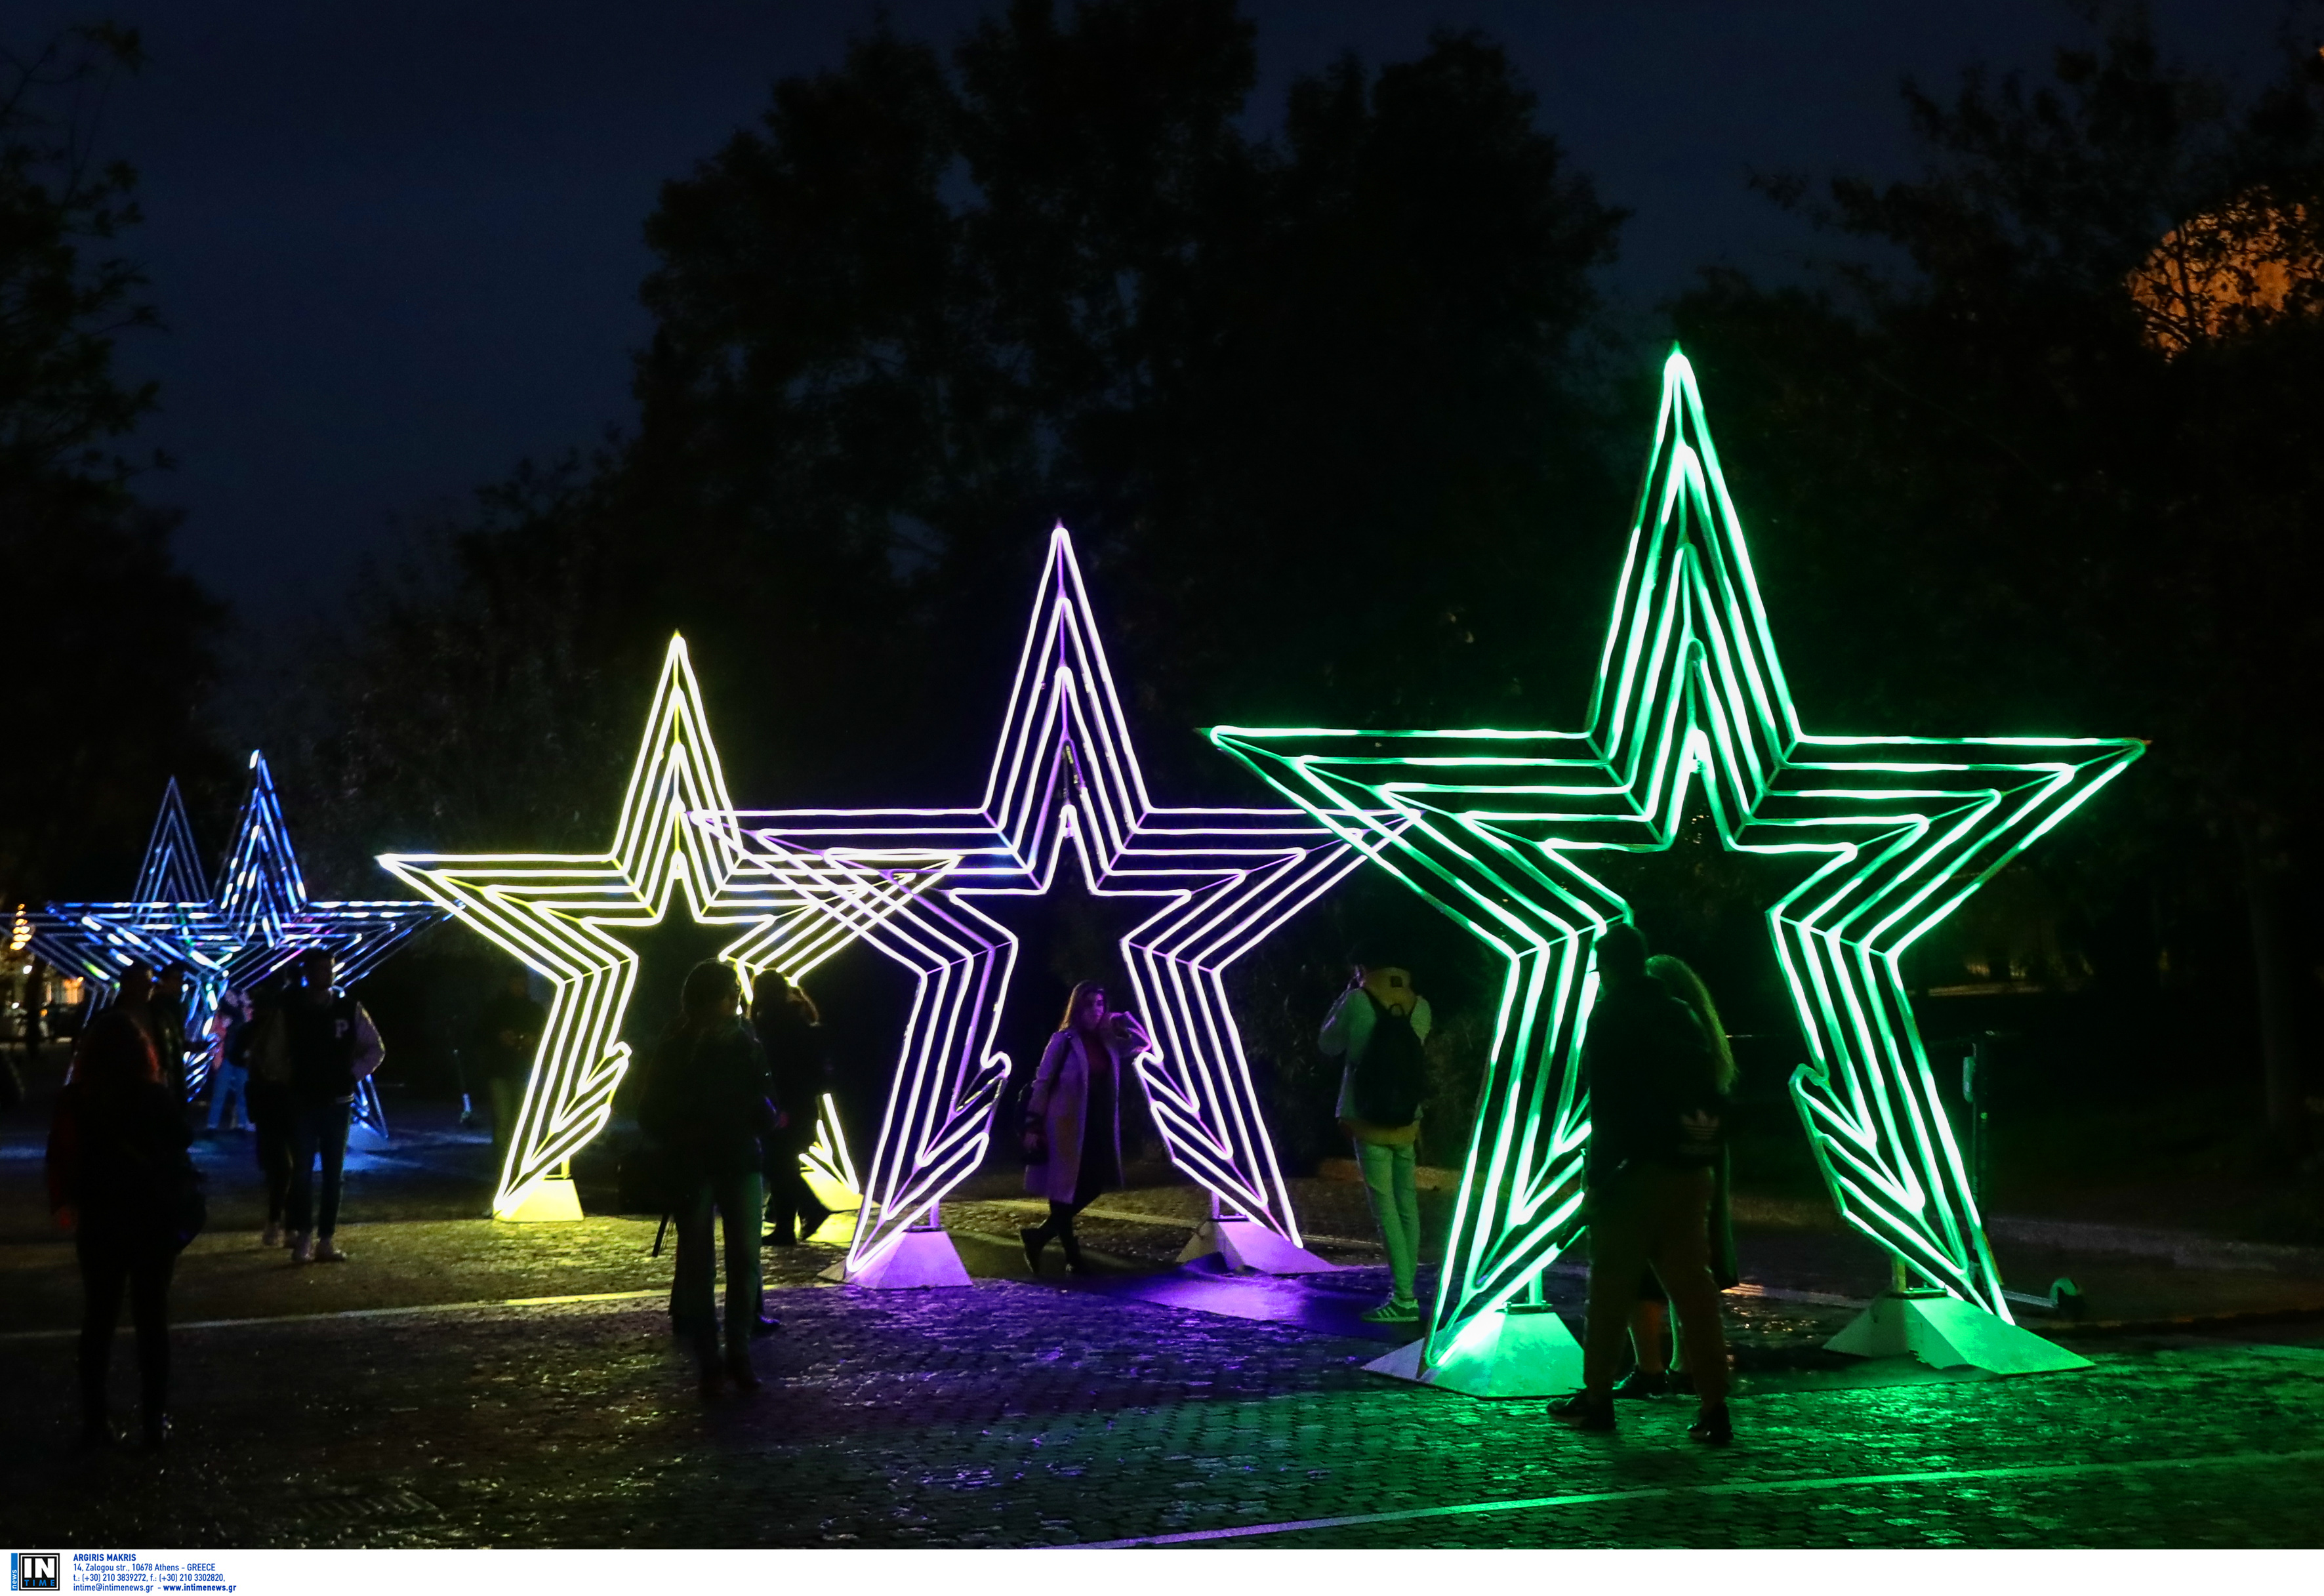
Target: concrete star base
pixel 1520 1351
pixel 1245 1244
pixel 1946 1333
pixel 916 1260
pixel 549 1202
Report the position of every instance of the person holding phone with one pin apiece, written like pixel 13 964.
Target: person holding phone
pixel 1073 1133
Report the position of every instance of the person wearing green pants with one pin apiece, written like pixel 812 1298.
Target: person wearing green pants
pixel 1378 1025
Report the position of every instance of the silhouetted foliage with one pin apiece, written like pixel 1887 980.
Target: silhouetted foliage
pixel 99 611
pixel 2050 514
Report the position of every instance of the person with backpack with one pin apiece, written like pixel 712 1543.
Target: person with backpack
pixel 122 1180
pixel 1381 1025
pixel 333 1045
pixel 1656 1128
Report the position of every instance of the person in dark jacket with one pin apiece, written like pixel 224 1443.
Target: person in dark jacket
pixel 791 1032
pixel 1656 1374
pixel 266 1096
pixel 333 1045
pixel 704 1107
pixel 167 1008
pixel 1656 1115
pixel 118 1174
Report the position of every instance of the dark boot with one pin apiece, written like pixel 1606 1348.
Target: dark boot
pixel 1071 1246
pixel 1585 1411
pixel 1711 1427
pixel 1035 1236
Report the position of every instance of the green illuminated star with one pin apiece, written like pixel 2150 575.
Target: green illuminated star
pixel 1900 831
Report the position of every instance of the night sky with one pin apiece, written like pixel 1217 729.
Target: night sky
pixel 397 245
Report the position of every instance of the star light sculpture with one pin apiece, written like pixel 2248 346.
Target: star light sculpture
pixel 260 920
pixel 1900 831
pixel 1064 769
pixel 556 913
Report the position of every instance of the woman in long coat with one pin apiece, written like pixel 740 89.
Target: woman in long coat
pixel 1073 1117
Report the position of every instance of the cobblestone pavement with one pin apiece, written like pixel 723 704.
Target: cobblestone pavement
pixel 1015 1414
pixel 401 1399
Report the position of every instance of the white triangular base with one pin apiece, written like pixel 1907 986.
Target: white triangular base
pixel 1246 1244
pixel 1523 1351
pixel 1946 1333
pixel 916 1260
pixel 548 1201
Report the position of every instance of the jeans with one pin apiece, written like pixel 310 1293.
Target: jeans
pixel 1651 1215
pixel 109 1266
pixel 1396 1207
pixel 317 1127
pixel 230 1096
pixel 737 1200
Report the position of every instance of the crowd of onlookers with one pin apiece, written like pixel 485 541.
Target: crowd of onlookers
pixel 727 1100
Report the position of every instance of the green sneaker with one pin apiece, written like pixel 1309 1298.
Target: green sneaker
pixel 1393 1312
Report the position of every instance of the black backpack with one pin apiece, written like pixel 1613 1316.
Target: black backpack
pixel 1391 1077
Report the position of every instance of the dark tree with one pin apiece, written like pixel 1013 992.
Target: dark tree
pixel 107 637
pixel 2060 441
pixel 1308 402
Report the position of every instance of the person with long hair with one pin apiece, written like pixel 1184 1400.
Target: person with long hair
pixel 1656 1124
pixel 1073 1132
pixel 705 1107
pixel 791 1029
pixel 121 1182
pixel 1658 1373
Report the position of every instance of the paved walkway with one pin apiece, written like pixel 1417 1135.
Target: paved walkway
pixel 404 1399
pixel 1015 1414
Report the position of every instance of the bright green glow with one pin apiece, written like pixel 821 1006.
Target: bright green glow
pixel 1689 685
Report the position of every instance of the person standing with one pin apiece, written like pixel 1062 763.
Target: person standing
pixel 167 1008
pixel 1656 1121
pixel 333 1045
pixel 704 1107
pixel 121 1181
pixel 1656 1374
pixel 1379 1024
pixel 507 1035
pixel 36 986
pixel 132 993
pixel 230 1066
pixel 266 1052
pixel 791 1031
pixel 1074 1118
